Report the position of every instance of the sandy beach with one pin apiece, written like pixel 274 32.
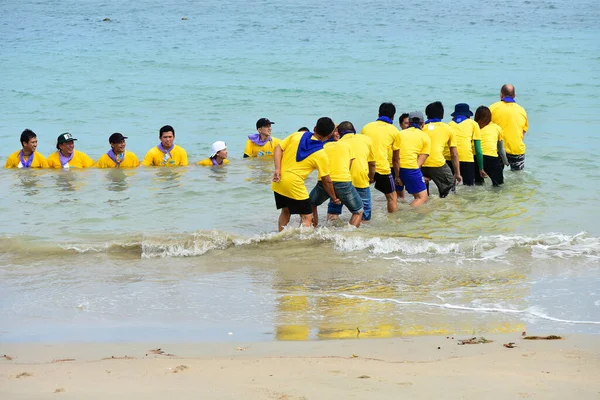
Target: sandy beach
pixel 416 368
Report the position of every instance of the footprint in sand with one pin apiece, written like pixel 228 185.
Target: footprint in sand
pixel 180 368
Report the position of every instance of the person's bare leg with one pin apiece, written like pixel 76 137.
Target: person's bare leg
pixel 315 217
pixel 331 217
pixel 306 220
pixel 392 202
pixel 420 198
pixel 356 218
pixel 284 218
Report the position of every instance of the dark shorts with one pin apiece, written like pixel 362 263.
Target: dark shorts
pixel 442 177
pixel 516 161
pixel 295 206
pixel 413 180
pixel 343 190
pixel 399 189
pixel 494 167
pixel 467 171
pixel 385 183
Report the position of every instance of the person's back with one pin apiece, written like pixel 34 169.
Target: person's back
pixel 340 156
pixel 440 134
pixel 362 146
pixel 413 142
pixel 512 118
pixel 467 131
pixel 383 136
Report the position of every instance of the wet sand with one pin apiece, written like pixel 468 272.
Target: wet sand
pixel 415 368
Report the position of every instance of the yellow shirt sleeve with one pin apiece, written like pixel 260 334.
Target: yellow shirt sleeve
pixel 248 150
pixel 184 158
pixel 149 158
pixel 13 160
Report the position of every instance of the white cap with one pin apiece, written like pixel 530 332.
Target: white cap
pixel 216 147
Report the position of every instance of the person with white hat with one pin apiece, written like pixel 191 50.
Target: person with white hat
pixel 218 155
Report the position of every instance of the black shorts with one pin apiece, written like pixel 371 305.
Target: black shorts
pixel 494 167
pixel 385 183
pixel 295 206
pixel 467 171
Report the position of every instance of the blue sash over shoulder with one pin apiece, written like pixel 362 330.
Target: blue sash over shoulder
pixel 307 146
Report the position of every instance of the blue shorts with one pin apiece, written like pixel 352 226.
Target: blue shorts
pixel 413 180
pixel 365 196
pixel 343 190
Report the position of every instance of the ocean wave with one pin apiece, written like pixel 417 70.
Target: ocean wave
pixel 543 246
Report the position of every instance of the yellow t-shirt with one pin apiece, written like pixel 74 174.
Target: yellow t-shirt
pixel 413 142
pixel 208 162
pixel 155 157
pixel 442 136
pixel 491 134
pixel 14 160
pixel 363 151
pixel 79 160
pixel 384 137
pixel 512 118
pixel 266 150
pixel 340 154
pixel 130 160
pixel 293 173
pixel 467 132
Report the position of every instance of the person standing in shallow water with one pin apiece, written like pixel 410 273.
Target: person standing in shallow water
pixel 67 157
pixel 295 158
pixel 117 157
pixel 166 153
pixel 415 146
pixel 492 146
pixel 27 157
pixel 218 155
pixel 512 118
pixel 261 144
pixel 468 137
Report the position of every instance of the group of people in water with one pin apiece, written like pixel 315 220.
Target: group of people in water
pixel 396 160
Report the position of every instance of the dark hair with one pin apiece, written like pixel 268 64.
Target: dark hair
pixel 345 127
pixel 435 110
pixel 324 127
pixel 507 90
pixel 303 129
pixel 483 116
pixel 27 135
pixel 403 116
pixel 387 110
pixel 164 129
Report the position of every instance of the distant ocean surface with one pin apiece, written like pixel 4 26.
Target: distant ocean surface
pixel 191 253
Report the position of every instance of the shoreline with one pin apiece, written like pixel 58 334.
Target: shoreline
pixel 413 367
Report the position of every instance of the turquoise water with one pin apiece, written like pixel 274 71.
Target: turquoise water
pixel 191 253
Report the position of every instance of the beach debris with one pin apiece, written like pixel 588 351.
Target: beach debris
pixel 160 352
pixel 241 348
pixel 524 333
pixel 59 390
pixel 119 358
pixel 363 377
pixel 64 360
pixel 9 358
pixel 23 374
pixel 106 20
pixel 549 337
pixel 474 340
pixel 439 348
pixel 180 368
pixel 354 356
pixel 510 345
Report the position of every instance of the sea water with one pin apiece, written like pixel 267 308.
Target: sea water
pixel 192 253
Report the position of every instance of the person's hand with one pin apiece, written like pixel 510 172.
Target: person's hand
pixel 276 176
pixel 371 180
pixel 398 181
pixel 336 201
pixel 483 174
pixel 457 178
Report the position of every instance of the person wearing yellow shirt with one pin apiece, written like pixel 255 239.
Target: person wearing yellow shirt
pixel 385 135
pixel 468 137
pixel 261 144
pixel 341 157
pixel 117 157
pixel 415 146
pixel 441 136
pixel 67 157
pixel 166 153
pixel 362 169
pixel 492 146
pixel 512 118
pixel 27 157
pixel 218 155
pixel 295 158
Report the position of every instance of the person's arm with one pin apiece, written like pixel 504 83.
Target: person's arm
pixel 277 156
pixel 455 164
pixel 148 159
pixel 479 158
pixel 248 149
pixel 328 186
pixel 502 153
pixel 421 159
pixel 396 162
pixel 372 170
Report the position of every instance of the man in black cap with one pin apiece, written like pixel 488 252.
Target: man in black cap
pixel 261 144
pixel 67 157
pixel 117 157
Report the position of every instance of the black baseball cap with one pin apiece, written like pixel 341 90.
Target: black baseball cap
pixel 116 138
pixel 64 138
pixel 263 122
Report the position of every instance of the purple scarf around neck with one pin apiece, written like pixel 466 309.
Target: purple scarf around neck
pixel 26 164
pixel 117 159
pixel 65 160
pixel 161 148
pixel 255 138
